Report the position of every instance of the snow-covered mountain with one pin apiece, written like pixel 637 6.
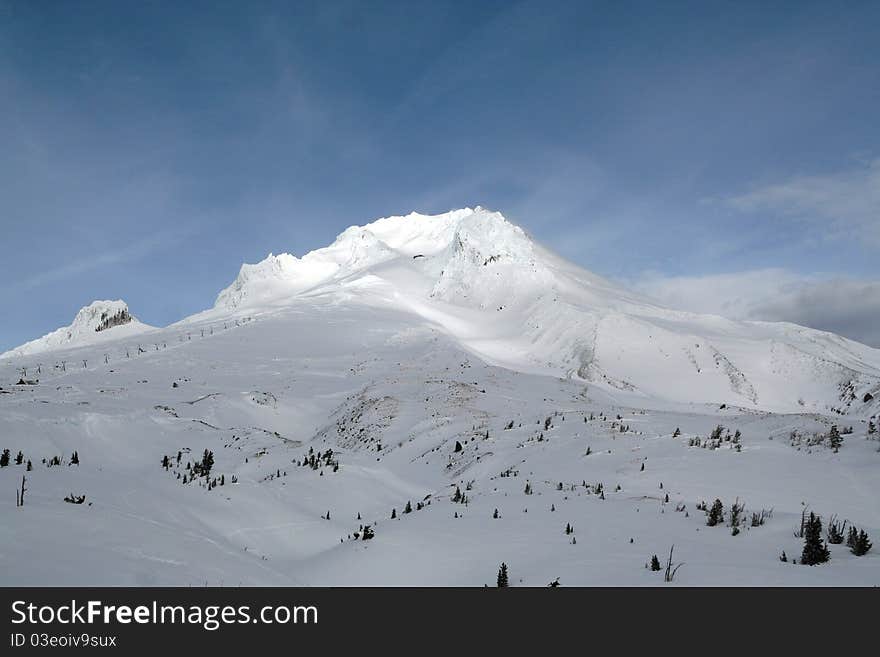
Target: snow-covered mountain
pixel 98 322
pixel 516 304
pixel 465 393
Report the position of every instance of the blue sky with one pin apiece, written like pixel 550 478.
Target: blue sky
pixel 723 156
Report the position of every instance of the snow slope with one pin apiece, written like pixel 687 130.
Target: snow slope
pixel 514 303
pixel 486 367
pixel 98 322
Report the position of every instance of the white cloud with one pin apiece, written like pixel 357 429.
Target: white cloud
pixel 847 201
pixel 845 306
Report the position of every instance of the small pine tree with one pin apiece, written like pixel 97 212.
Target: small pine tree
pixel 502 581
pixel 207 463
pixel 676 433
pixel 736 516
pixel 74 459
pixel 835 531
pixel 19 458
pixel 861 544
pixel 393 513
pixel 835 441
pixel 655 563
pixel 495 515
pixel 815 550
pixel 408 508
pixel 4 458
pixel 783 558
pixel 851 537
pixel 29 465
pixel 716 513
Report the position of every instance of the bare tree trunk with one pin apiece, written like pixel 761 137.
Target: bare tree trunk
pixel 19 495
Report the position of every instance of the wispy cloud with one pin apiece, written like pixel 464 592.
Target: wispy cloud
pixel 127 254
pixel 847 306
pixel 846 203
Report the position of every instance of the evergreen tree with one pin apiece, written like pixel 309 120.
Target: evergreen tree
pixel 502 581
pixel 207 463
pixel 4 458
pixel 495 515
pixel 655 563
pixel 815 550
pixel 29 466
pixel 861 544
pixel 74 459
pixel 393 513
pixel 735 516
pixel 716 514
pixel 408 508
pixel 835 531
pixel 19 458
pixel 835 441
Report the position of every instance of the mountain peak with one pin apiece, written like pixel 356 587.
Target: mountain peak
pixel 95 322
pixel 466 233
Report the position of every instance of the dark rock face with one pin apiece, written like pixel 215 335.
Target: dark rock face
pixel 868 397
pixel 117 319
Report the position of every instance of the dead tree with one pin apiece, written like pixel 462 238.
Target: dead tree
pixel 799 533
pixel 669 575
pixel 19 494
